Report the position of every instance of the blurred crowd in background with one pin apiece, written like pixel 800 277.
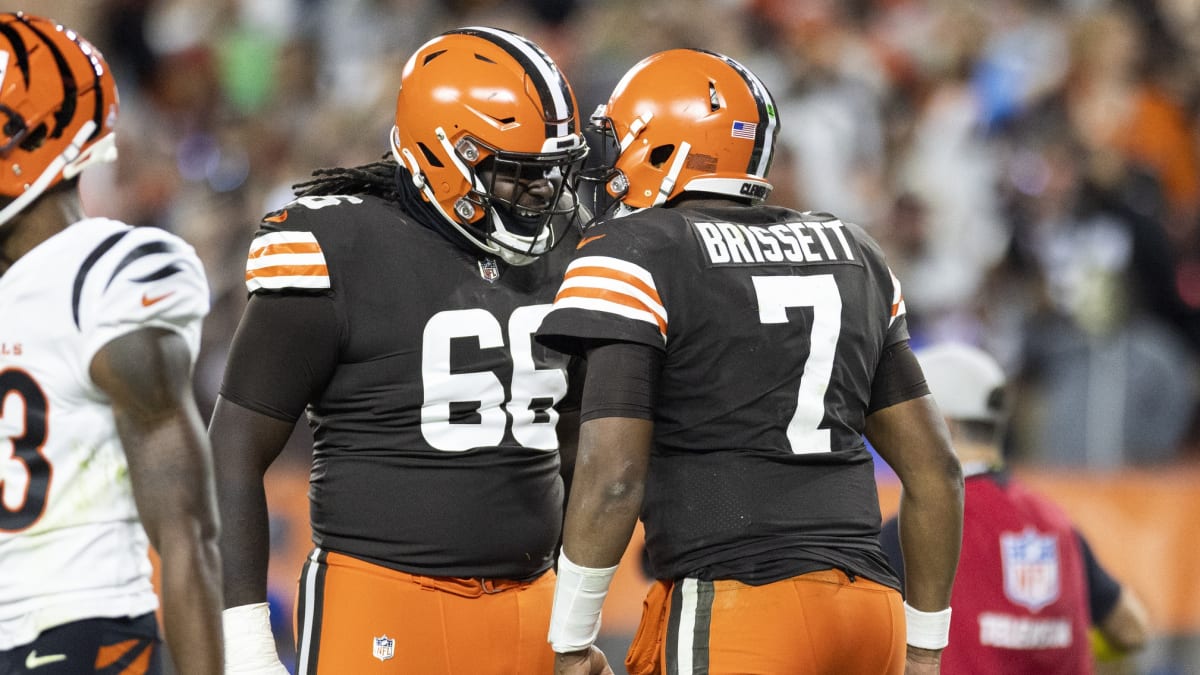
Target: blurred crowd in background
pixel 1031 167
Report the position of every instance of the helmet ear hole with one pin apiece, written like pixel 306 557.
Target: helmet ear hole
pixel 660 155
pixel 429 156
pixel 13 126
pixel 33 140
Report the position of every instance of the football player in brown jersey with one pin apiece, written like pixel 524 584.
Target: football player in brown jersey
pixel 394 304
pixel 737 355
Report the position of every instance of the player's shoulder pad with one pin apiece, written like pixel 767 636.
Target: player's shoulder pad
pixel 139 275
pixel 286 252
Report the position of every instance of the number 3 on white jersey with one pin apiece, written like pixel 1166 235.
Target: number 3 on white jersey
pixel 775 295
pixel 529 383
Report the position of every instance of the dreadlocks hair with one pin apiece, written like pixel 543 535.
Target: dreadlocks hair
pixel 377 179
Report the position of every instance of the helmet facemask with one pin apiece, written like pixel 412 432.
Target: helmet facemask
pixel 599 183
pixel 487 126
pixel 527 200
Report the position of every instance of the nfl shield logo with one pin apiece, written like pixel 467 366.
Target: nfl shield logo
pixel 384 649
pixel 489 269
pixel 1030 568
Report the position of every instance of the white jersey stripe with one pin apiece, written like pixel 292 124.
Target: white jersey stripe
pixel 290 259
pixel 898 307
pixel 287 237
pixel 598 305
pixel 285 259
pixel 604 283
pixel 615 264
pixel 281 283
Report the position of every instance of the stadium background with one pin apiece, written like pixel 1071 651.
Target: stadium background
pixel 1030 167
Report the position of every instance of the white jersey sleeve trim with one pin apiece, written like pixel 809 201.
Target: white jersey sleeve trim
pixel 282 260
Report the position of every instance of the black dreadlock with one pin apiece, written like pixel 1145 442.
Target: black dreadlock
pixel 377 178
pixel 385 179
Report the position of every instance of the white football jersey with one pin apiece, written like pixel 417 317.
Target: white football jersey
pixel 71 545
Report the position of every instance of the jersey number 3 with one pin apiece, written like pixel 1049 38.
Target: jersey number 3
pixel 820 291
pixel 23 489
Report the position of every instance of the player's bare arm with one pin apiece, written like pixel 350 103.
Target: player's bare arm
pixel 606 497
pixel 912 438
pixel 147 375
pixel 610 477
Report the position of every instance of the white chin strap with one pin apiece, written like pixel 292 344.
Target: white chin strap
pixel 67 158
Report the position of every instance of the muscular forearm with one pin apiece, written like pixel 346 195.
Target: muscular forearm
pixel 599 524
pixel 930 538
pixel 192 604
pixel 914 441
pixel 607 492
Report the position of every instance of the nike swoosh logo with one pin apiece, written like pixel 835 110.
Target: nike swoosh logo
pixel 277 218
pixel 587 240
pixel 148 300
pixel 34 661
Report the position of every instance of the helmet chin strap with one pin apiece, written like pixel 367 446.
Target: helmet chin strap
pixel 43 181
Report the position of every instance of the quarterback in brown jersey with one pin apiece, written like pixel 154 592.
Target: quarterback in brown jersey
pixel 394 304
pixel 737 355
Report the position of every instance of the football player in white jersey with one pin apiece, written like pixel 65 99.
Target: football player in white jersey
pixel 102 449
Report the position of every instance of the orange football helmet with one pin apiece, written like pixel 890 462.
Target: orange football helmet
pixel 483 107
pixel 686 120
pixel 58 107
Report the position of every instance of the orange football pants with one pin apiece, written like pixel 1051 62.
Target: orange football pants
pixel 356 617
pixel 819 623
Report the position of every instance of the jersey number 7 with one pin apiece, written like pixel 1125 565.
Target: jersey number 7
pixel 820 291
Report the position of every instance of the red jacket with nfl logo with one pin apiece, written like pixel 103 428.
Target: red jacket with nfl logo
pixel 1020 599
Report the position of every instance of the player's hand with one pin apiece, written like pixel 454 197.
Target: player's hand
pixel 922 661
pixel 590 661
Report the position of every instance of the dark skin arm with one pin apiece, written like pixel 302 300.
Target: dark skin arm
pixel 147 376
pixel 912 438
pixel 244 443
pixel 606 498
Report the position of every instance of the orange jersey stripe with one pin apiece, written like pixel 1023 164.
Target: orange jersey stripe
pixel 272 249
pixel 289 271
pixel 614 297
pixel 610 273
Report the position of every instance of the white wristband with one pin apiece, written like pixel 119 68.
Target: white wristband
pixel 249 643
pixel 578 597
pixel 927 630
